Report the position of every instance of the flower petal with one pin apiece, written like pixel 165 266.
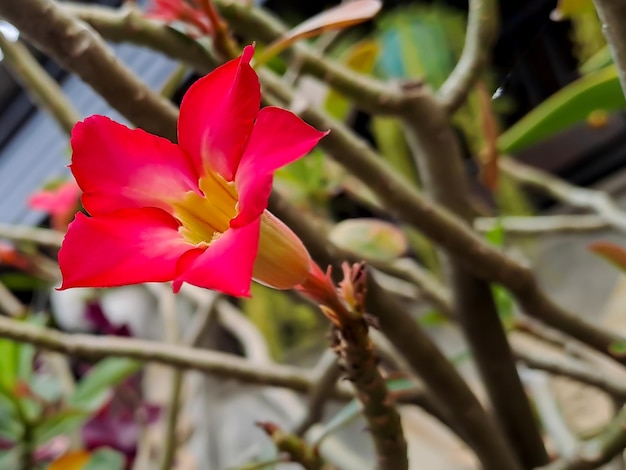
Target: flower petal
pixel 55 201
pixel 226 265
pixel 217 115
pixel 129 246
pixel 279 137
pixel 119 168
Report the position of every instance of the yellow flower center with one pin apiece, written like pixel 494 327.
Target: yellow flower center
pixel 204 219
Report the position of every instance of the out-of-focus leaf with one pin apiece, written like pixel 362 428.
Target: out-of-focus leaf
pixel 64 422
pixel 612 252
pixel 598 61
pixel 433 318
pixel 618 348
pixel 91 392
pixel 371 238
pixel 391 143
pixel 503 299
pixel 567 8
pixel 569 106
pixel 105 459
pixel 361 57
pixel 76 460
pixel 339 17
pixel 9 357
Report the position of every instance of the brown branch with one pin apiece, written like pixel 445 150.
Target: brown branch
pixel 42 89
pixel 296 449
pixel 573 369
pixel 539 225
pixel 327 373
pixel 351 342
pixel 598 201
pixel 426 360
pixel 9 304
pixel 612 13
pixel 75 46
pixel 482 30
pixel 40 236
pixel 440 162
pixel 210 362
pixel 478 257
pixel 597 451
pixel 129 24
pixel 368 93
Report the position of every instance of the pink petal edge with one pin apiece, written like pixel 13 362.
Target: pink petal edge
pixel 217 116
pixel 129 246
pixel 226 265
pixel 279 138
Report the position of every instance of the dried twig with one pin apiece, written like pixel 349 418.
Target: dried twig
pixel 75 45
pixel 42 89
pixel 481 33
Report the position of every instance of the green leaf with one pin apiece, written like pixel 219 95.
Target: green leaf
pixel 599 91
pixel 64 422
pixel 433 318
pixel 91 392
pixel 618 348
pixel 361 57
pixel 9 356
pixel 371 238
pixel 105 459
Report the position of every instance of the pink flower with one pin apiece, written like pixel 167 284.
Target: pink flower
pixel 60 203
pixel 186 11
pixel 194 211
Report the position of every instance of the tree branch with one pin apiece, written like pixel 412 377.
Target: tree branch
pixel 597 451
pixel 612 13
pixel 542 225
pixel 76 47
pixel 598 201
pixel 127 23
pixel 42 89
pixel 211 362
pixel 40 236
pixel 439 159
pixel 479 257
pixel 446 230
pixel 482 30
pixel 426 360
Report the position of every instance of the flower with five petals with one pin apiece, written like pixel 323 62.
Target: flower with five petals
pixel 194 211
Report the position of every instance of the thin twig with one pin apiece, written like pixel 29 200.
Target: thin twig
pixel 40 236
pixel 573 369
pixel 327 372
pixel 597 451
pixel 612 13
pixel 129 24
pixel 75 46
pixel 211 362
pixel 167 307
pixel 42 89
pixel 9 304
pixel 540 225
pixel 598 201
pixel 482 26
pixel 441 169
